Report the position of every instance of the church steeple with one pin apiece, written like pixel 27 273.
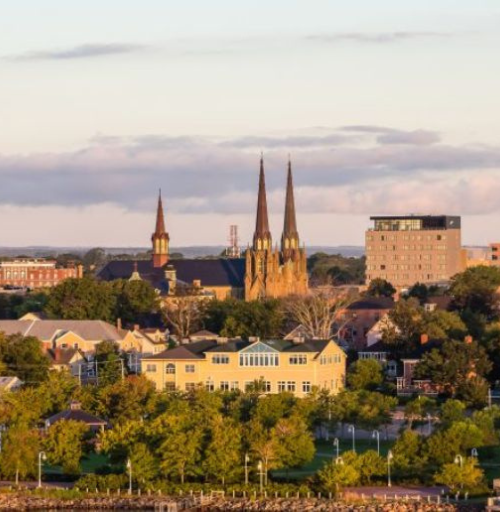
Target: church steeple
pixel 290 237
pixel 160 238
pixel 262 236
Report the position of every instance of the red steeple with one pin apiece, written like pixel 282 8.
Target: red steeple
pixel 290 237
pixel 160 237
pixel 262 235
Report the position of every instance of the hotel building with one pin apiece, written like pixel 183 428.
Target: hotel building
pixel 280 365
pixel 406 250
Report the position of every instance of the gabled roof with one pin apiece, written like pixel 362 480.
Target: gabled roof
pixel 204 333
pixel 76 415
pixel 63 356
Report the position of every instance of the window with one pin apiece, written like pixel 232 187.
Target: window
pixel 234 385
pixel 189 368
pixel 306 387
pixel 224 385
pixel 261 359
pixel 151 368
pixel 170 368
pixel 298 359
pixel 220 359
pixel 290 386
pixel 209 385
pixel 190 386
pixel 267 386
pixel 75 345
pixel 248 385
pixel 281 386
pixel 170 386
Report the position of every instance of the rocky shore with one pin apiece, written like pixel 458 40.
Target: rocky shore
pixel 21 502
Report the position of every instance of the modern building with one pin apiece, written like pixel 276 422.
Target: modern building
pixel 494 249
pixel 263 272
pixel 33 273
pixel 405 250
pixel 280 365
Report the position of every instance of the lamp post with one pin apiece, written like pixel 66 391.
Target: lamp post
pixel 389 459
pixel 337 446
pixel 473 453
pixel 339 460
pixel 352 428
pixel 429 418
pixel 247 460
pixel 3 428
pixel 376 434
pixel 41 457
pixel 260 468
pixel 459 460
pixel 129 468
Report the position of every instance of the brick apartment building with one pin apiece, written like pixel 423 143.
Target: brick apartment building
pixel 406 250
pixel 34 273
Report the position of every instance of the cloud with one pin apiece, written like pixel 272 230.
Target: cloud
pixel 375 37
pixel 384 170
pixel 83 51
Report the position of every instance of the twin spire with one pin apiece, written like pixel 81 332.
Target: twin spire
pixel 262 236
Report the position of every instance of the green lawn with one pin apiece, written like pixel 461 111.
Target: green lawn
pixel 89 464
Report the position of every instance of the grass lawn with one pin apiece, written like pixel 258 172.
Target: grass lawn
pixel 89 464
pixel 325 451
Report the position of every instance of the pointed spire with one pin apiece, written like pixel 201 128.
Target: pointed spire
pixel 290 237
pixel 262 232
pixel 160 219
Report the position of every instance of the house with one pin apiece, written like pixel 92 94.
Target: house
pixel 280 365
pixel 359 317
pixel 71 360
pixel 203 335
pixel 381 352
pixel 10 383
pixel 75 413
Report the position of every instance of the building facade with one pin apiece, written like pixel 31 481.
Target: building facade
pixel 405 250
pixel 263 272
pixel 33 273
pixel 279 365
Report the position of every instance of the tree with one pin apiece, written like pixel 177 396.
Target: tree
pixel 82 299
pixel 133 299
pixel 222 459
pixel 24 358
pixel 452 410
pixel 296 444
pixel 408 452
pixel 334 476
pixel 405 326
pixel 369 465
pixel 144 463
pixel 374 409
pixel 379 287
pixel 184 314
pixel 417 409
pixel 20 447
pixel 109 363
pixel 64 445
pixel 440 325
pixel 365 374
pixel 94 258
pixel 467 476
pixel 264 445
pixel 316 313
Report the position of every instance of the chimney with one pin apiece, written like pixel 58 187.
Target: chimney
pixel 468 339
pixel 137 327
pixel 196 283
pixel 119 324
pixel 424 338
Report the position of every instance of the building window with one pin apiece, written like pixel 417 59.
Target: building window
pixel 170 386
pixel 306 387
pixel 189 368
pixel 281 386
pixel 298 359
pixel 261 359
pixel 267 386
pixel 151 368
pixel 190 386
pixel 290 386
pixel 234 385
pixel 220 359
pixel 224 385
pixel 170 368
pixel 209 385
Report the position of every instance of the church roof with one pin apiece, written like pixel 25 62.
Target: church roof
pixel 290 225
pixel 216 272
pixel 262 220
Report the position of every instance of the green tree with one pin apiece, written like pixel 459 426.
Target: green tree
pixel 144 464
pixel 133 299
pixel 405 326
pixel 408 452
pixel 296 444
pixel 20 447
pixel 417 409
pixel 452 410
pixel 222 459
pixel 94 258
pixel 64 445
pixel 467 477
pixel 23 357
pixel 365 374
pixel 110 365
pixel 379 287
pixel 334 477
pixel 374 409
pixel 440 325
pixel 82 299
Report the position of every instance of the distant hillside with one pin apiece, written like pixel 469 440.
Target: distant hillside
pixel 188 252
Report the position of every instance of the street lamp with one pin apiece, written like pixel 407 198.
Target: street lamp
pixel 41 457
pixel 352 428
pixel 376 434
pixel 260 468
pixel 247 460
pixel 429 422
pixel 459 460
pixel 389 458
pixel 336 445
pixel 129 468
pixel 339 460
pixel 473 453
pixel 2 429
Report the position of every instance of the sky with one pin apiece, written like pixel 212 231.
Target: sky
pixel 384 107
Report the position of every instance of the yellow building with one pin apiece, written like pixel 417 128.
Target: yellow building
pixel 281 365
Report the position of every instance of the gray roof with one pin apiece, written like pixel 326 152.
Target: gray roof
pixel 46 329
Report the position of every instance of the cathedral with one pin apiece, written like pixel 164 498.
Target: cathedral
pixel 264 272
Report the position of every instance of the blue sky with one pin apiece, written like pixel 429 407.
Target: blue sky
pixel 384 106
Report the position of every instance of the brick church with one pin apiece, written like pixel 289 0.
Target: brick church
pixel 264 272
